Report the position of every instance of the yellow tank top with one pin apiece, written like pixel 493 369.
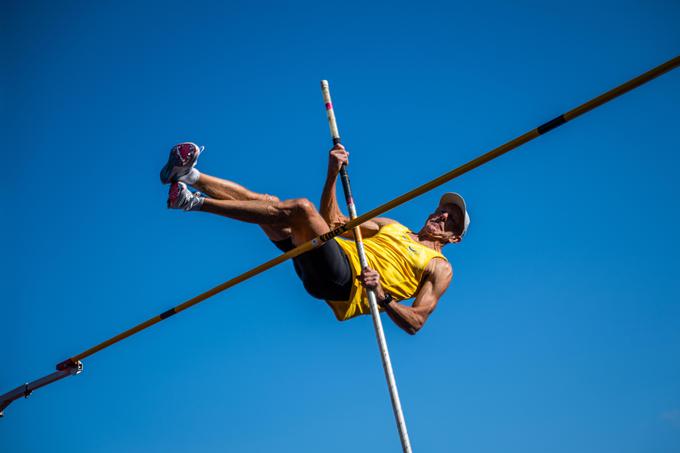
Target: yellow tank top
pixel 399 260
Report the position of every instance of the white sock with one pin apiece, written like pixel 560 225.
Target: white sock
pixel 191 177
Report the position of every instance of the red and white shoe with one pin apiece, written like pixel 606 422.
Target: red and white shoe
pixel 180 197
pixel 182 159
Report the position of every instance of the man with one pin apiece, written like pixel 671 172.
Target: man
pixel 404 264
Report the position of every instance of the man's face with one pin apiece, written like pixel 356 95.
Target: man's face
pixel 445 222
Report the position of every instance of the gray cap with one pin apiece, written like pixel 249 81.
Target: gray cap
pixel 455 199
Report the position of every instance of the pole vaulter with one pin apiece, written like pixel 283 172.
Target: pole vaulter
pixel 73 364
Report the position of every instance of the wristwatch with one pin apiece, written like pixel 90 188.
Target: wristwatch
pixel 386 301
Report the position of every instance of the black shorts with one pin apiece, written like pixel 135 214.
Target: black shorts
pixel 325 271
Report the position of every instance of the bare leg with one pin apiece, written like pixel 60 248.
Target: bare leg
pixel 279 219
pixel 222 189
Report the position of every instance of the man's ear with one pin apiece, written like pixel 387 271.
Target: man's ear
pixel 455 239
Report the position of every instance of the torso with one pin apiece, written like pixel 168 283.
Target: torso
pixel 398 256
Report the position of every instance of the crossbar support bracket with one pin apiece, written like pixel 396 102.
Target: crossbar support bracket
pixel 26 389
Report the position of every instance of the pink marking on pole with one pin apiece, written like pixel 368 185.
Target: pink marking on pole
pixel 329 106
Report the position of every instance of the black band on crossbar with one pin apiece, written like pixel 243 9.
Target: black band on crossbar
pixel 167 314
pixel 550 125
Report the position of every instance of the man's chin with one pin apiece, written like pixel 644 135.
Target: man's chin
pixel 433 232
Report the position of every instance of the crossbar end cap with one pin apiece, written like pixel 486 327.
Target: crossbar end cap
pixel 74 366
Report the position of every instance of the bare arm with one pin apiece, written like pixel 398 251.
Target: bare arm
pixel 412 319
pixel 330 210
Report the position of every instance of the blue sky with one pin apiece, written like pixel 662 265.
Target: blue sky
pixel 560 332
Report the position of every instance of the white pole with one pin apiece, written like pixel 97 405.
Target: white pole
pixel 372 301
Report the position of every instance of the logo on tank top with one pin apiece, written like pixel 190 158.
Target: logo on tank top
pixel 410 248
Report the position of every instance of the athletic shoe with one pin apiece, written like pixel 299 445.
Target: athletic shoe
pixel 183 158
pixel 180 197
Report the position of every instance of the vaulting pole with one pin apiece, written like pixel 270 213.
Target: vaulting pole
pixel 74 362
pixel 372 301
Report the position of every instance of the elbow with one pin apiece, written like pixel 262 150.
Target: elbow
pixel 415 326
pixel 336 221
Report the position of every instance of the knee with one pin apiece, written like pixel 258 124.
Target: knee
pixel 301 208
pixel 271 198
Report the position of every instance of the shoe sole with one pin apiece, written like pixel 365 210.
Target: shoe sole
pixel 171 171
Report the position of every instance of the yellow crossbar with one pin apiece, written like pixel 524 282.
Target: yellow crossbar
pixel 320 240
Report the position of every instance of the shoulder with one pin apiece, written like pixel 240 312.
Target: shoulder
pixel 383 225
pixel 439 270
pixel 374 226
pixel 384 221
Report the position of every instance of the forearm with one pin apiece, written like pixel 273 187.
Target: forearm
pixel 330 210
pixel 405 317
pixel 411 319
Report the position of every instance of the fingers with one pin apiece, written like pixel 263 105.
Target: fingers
pixel 369 271
pixel 339 152
pixel 369 278
pixel 339 149
pixel 340 156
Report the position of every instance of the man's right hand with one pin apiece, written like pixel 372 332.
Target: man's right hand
pixel 370 279
pixel 336 158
